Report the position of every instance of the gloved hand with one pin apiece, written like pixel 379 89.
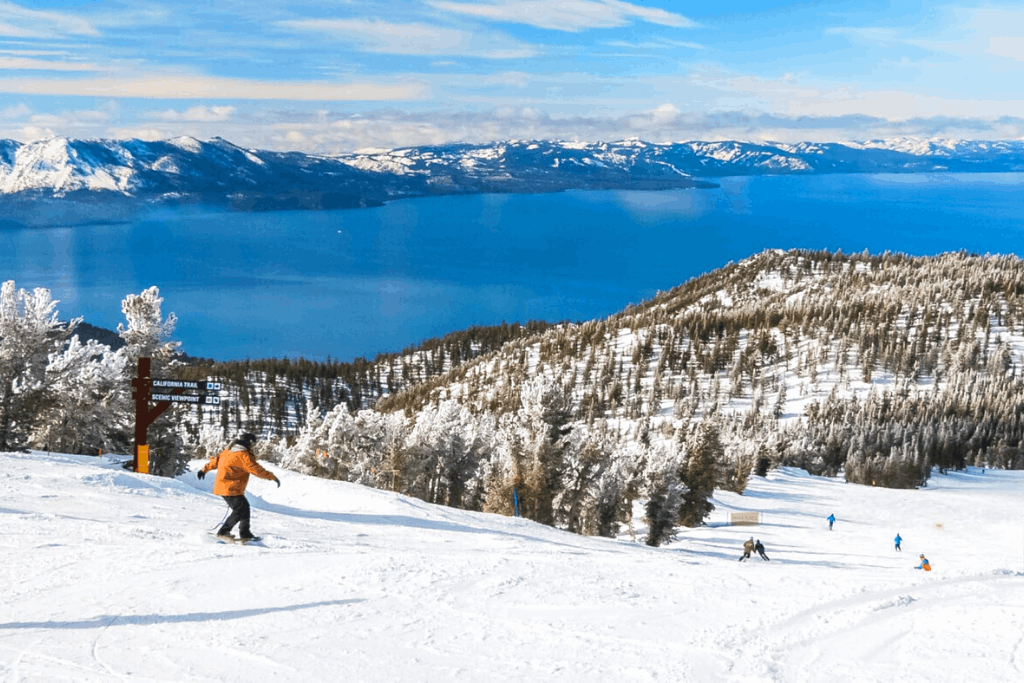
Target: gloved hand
pixel 200 474
pixel 278 481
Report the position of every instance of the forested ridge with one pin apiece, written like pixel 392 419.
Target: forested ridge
pixel 275 394
pixel 879 367
pixel 876 367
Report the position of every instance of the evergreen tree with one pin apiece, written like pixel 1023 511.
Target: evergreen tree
pixel 29 333
pixel 147 335
pixel 86 410
pixel 664 498
pixel 704 451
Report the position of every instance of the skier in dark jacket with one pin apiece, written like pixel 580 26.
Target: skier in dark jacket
pixel 748 548
pixel 234 465
pixel 759 547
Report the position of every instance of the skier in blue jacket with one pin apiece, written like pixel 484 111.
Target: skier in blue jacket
pixel 898 541
pixel 831 521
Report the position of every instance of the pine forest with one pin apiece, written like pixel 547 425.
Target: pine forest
pixel 878 368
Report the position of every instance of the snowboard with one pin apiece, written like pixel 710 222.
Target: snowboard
pixel 236 540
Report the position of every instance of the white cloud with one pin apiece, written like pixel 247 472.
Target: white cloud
pixel 25 23
pixel 571 16
pixel 793 95
pixel 31 133
pixel 186 87
pixel 15 112
pixel 875 34
pixel 515 79
pixel 26 64
pixel 1011 48
pixel 199 113
pixel 34 53
pixel 964 33
pixel 660 44
pixel 9 30
pixel 80 117
pixel 415 39
pixel 139 133
pixel 665 112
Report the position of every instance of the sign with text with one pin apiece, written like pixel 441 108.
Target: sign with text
pixel 185 384
pixel 168 391
pixel 199 399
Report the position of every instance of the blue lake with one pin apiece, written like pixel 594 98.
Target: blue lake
pixel 355 283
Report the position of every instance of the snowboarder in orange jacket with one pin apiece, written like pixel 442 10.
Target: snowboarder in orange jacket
pixel 234 465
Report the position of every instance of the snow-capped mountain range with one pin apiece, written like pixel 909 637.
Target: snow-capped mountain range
pixel 216 171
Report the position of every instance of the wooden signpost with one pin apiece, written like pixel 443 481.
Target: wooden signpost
pixel 171 391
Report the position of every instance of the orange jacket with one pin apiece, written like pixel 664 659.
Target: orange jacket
pixel 233 470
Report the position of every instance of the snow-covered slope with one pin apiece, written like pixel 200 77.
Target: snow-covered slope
pixel 110 575
pixel 186 169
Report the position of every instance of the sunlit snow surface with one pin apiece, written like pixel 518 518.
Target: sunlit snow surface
pixel 108 575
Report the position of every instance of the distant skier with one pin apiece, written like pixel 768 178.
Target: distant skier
pixel 759 547
pixel 748 548
pixel 234 465
pixel 898 541
pixel 924 564
pixel 831 521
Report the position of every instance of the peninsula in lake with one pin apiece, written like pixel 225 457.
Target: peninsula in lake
pixel 61 181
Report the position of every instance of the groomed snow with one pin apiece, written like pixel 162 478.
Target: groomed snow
pixel 109 575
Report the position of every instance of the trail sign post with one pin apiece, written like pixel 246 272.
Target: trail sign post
pixel 172 392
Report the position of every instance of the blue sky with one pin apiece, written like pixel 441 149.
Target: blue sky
pixel 344 75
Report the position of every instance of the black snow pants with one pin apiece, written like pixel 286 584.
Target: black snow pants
pixel 239 515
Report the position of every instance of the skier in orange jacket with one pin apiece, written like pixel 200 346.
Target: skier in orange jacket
pixel 234 465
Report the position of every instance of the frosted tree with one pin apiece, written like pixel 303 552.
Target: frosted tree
pixel 447 449
pixel 502 479
pixel 585 459
pixel 29 333
pixel 309 443
pixel 147 335
pixel 360 447
pixel 664 495
pixel 86 410
pixel 704 452
pixel 209 442
pixel 545 414
pixel 324 447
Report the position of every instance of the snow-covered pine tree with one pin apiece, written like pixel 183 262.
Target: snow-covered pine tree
pixel 664 495
pixel 704 451
pixel 303 454
pixel 29 333
pixel 447 449
pixel 545 414
pixel 503 472
pixel 86 409
pixel 147 335
pixel 586 458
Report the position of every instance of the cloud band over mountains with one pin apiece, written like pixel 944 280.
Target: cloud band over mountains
pixel 338 78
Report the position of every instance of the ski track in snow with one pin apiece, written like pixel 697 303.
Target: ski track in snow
pixel 108 575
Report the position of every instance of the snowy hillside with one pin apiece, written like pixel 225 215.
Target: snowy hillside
pixel 215 171
pixel 109 575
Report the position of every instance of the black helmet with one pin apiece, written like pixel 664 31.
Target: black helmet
pixel 247 439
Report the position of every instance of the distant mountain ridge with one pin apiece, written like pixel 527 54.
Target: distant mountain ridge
pixel 101 177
